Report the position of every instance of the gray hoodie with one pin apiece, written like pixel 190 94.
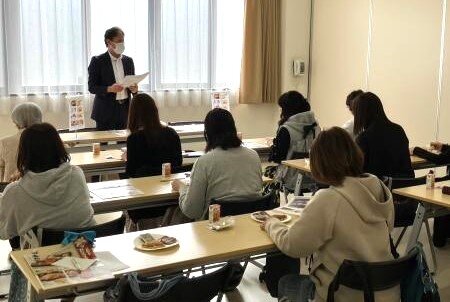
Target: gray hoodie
pixel 57 198
pixel 301 141
pixel 352 221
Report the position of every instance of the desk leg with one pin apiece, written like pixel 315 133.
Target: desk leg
pixel 418 221
pixel 298 184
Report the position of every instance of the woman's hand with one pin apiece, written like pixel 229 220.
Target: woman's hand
pixel 436 146
pixel 262 225
pixel 176 184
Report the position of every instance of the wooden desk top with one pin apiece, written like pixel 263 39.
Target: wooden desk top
pixel 106 159
pixel 90 137
pixel 301 165
pixel 258 144
pixel 421 193
pixel 156 191
pixel 198 246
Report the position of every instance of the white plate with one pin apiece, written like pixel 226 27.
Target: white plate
pixel 138 244
pixel 287 219
pixel 224 222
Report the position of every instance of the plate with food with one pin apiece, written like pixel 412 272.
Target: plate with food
pixel 154 242
pixel 262 216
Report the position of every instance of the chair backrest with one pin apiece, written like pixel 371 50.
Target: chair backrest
pixel 396 183
pixel 182 123
pixel 111 227
pixel 237 207
pixel 66 130
pixel 373 276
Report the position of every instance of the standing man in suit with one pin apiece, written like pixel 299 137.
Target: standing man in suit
pixel 106 71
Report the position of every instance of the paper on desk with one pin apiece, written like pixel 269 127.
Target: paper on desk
pixel 110 262
pixel 116 192
pixel 75 263
pixel 130 80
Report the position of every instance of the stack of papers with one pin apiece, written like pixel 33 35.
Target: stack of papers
pixel 296 206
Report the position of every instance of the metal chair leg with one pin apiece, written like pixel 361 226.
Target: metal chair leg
pixel 430 242
pixel 400 237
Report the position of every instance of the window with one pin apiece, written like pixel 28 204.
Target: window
pixel 185 44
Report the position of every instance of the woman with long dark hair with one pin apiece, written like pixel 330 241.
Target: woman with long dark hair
pixel 384 143
pixel 228 171
pixel 150 143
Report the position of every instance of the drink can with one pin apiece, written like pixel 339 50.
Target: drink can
pixel 166 170
pixel 214 213
pixel 430 181
pixel 96 148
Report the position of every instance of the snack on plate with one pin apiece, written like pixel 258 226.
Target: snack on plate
pixel 280 217
pixel 155 243
pixel 168 240
pixel 148 241
pixel 261 215
pixel 84 248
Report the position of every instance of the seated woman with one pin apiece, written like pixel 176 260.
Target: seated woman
pixel 351 219
pixel 150 144
pixel 23 116
pixel 384 144
pixel 51 193
pixel 297 129
pixel 349 125
pixel 228 171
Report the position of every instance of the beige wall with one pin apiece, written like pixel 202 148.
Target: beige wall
pixel 252 120
pixel 339 52
pixel 295 18
pixel 404 61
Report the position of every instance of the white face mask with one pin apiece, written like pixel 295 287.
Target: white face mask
pixel 120 48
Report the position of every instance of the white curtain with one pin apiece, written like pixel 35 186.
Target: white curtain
pixel 190 47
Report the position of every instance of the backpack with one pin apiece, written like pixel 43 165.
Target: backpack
pixel 420 285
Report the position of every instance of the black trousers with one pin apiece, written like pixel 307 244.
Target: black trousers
pixel 118 119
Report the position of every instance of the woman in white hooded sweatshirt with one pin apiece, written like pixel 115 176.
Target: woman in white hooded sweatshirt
pixel 51 193
pixel 351 219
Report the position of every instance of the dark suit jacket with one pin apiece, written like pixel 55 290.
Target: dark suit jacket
pixel 101 75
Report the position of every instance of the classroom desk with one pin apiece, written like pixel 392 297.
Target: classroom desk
pixel 198 246
pixel 107 162
pixel 90 137
pixel 432 203
pixel 300 164
pixel 156 192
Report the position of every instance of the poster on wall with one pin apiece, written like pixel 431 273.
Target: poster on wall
pixel 220 100
pixel 76 113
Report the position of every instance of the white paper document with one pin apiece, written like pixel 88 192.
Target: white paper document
pixel 75 263
pixel 116 192
pixel 130 80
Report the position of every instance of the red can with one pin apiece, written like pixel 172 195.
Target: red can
pixel 214 213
